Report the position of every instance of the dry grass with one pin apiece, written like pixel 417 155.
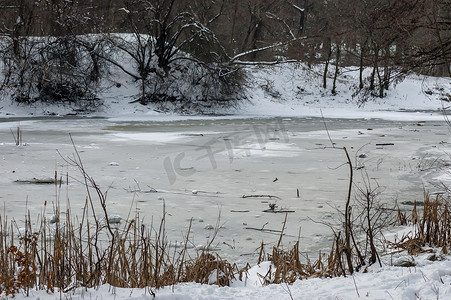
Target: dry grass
pixel 71 254
pixel 66 255
pixel 432 226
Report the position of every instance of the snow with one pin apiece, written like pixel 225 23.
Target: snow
pixel 285 91
pixel 427 280
pixel 303 95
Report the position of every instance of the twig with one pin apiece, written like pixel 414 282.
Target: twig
pixel 355 285
pixel 264 230
pixel 14 136
pixel 281 232
pixel 273 231
pixel 184 250
pixel 217 227
pixel 327 130
pixel 348 215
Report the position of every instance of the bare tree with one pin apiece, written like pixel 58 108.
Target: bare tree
pixel 43 57
pixel 19 52
pixel 432 39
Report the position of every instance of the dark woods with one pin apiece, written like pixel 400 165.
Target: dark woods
pixel 55 50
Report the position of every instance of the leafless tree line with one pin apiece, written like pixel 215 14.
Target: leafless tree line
pixel 52 48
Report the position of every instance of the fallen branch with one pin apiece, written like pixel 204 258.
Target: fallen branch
pixel 48 180
pixel 278 211
pixel 260 196
pixel 273 231
pixel 264 229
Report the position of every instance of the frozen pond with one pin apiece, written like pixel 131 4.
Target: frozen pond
pixel 202 168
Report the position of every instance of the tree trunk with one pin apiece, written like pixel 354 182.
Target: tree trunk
pixel 387 71
pixel 337 68
pixel 361 67
pixel 387 74
pixel 143 92
pixel 232 35
pixel 370 235
pixel 326 65
pixel 375 66
pixel 380 82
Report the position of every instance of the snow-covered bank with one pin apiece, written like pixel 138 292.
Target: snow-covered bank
pixel 295 90
pixel 288 90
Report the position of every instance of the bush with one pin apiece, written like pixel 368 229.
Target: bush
pixel 190 87
pixel 63 92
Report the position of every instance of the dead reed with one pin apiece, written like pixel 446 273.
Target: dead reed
pixel 72 253
pixel 432 226
pixel 89 252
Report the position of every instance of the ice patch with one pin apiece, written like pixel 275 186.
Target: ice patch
pixel 269 149
pixel 157 137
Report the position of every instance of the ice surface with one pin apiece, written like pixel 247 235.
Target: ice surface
pixel 222 160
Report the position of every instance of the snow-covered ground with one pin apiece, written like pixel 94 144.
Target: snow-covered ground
pixel 427 280
pixel 289 90
pixel 286 91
